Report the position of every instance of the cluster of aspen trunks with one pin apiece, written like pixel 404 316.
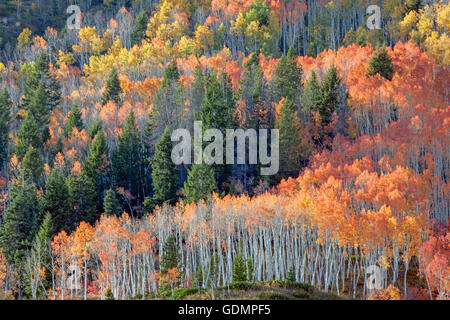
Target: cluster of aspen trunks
pixel 278 233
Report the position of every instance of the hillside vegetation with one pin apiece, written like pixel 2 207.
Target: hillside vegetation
pixel 93 207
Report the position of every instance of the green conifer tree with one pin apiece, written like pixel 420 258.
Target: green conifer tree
pixel 164 178
pixel 128 159
pixel 73 120
pixel 5 117
pixel 27 135
pixel 56 201
pixel 112 88
pixel 290 146
pixel 200 183
pixel 140 26
pixel 170 258
pixel 111 205
pixel 381 63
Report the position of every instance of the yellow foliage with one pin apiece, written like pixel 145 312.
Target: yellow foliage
pixel 429 27
pixel 66 58
pixel 24 37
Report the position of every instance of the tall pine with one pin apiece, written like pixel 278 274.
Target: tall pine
pixel 5 117
pixel 56 201
pixel 128 159
pixel 112 88
pixel 200 183
pixel 164 177
pixel 140 26
pixel 381 63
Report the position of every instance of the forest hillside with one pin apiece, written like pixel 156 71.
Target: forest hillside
pixel 92 204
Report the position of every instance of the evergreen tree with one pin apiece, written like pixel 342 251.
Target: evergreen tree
pixel 287 78
pixel 19 227
pixel 170 255
pixel 95 128
pixel 82 200
pixel 140 26
pixel 164 172
pixel 41 250
pixel 97 167
pixel 112 88
pixel 56 201
pixel 40 76
pixel 52 87
pixel 128 164
pixel 109 295
pixel 381 63
pixel 291 275
pixel 19 221
pixel 73 120
pixel 32 166
pixel 312 95
pixel 28 134
pixel 239 269
pixel 200 183
pixel 111 205
pixel 289 144
pixel 217 113
pixel 5 117
pixel 197 90
pixel 39 107
pixel 330 95
pixel 250 92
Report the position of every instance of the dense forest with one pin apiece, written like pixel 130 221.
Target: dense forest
pixel 93 207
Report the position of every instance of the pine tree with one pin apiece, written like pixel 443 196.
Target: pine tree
pixel 170 257
pixel 19 221
pixel 40 75
pixel 200 183
pixel 291 275
pixel 330 95
pixel 39 107
pixel 111 205
pixel 312 95
pixel 41 248
pixel 289 143
pixel 287 78
pixel 28 134
pixel 5 117
pixel 164 176
pixel 381 63
pixel 239 269
pixel 97 166
pixel 19 228
pixel 197 90
pixel 112 88
pixel 52 87
pixel 56 201
pixel 128 164
pixel 82 200
pixel 95 128
pixel 217 113
pixel 140 26
pixel 73 120
pixel 32 166
pixel 250 92
pixel 109 295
